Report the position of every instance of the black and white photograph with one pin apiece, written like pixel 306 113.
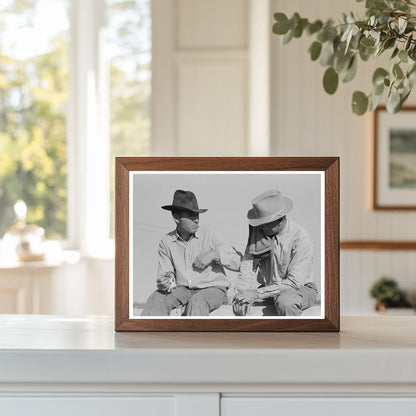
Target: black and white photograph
pixel 229 245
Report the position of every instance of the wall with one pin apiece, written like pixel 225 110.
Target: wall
pixel 200 77
pixel 305 121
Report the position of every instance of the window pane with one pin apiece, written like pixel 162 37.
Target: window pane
pixel 34 37
pixel 129 46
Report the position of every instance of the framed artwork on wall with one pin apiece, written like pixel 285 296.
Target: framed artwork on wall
pixel 394 179
pixel 227 244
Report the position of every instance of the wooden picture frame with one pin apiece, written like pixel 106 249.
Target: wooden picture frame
pixel 394 158
pixel 143 184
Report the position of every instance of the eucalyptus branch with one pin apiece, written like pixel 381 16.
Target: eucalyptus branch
pixel 388 25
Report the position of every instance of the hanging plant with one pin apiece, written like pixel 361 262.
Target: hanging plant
pixel 388 27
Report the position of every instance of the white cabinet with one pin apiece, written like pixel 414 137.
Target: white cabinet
pixel 52 365
pixel 39 287
pixel 88 406
pixel 325 406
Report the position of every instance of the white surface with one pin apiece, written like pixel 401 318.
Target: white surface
pixel 317 407
pixel 55 365
pixel 47 349
pixel 87 406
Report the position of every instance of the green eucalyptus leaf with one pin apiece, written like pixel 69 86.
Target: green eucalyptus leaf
pixel 355 41
pixel 315 50
pixel 376 4
pixel 397 71
pixel 404 96
pixel 393 101
pixel 282 25
pixel 298 30
pixel 412 70
pixel 314 27
pixel 322 35
pixel 288 37
pixel 338 45
pixel 294 20
pixel 387 82
pixel 374 101
pixel 389 43
pixel 346 34
pixel 367 42
pixel 379 75
pixel 400 5
pixel 330 80
pixel 402 22
pixel 412 52
pixel 359 103
pixel 332 33
pixel 327 54
pixel 378 89
pixel 341 62
pixel 351 71
pixel 366 53
pixel 395 53
pixel 403 56
pixel 408 42
pixel 412 78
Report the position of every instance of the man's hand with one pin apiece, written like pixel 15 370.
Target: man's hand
pixel 205 259
pixel 243 300
pixel 164 282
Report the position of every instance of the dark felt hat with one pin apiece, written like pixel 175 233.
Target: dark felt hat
pixel 184 200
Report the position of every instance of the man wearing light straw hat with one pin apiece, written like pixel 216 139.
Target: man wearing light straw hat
pixel 278 263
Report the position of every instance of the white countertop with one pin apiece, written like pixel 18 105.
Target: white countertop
pixel 53 349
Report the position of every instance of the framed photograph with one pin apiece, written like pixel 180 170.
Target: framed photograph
pixel 395 159
pixel 227 244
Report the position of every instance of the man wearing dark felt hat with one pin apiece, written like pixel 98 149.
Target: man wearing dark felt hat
pixel 191 263
pixel 278 263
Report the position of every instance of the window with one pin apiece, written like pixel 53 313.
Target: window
pixel 129 46
pixel 33 97
pixel 75 87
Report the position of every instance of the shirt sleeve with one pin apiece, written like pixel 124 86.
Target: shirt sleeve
pixel 165 264
pixel 229 256
pixel 247 278
pixel 300 268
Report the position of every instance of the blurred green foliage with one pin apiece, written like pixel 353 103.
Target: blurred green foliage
pixel 33 97
pixel 386 291
pixel 33 109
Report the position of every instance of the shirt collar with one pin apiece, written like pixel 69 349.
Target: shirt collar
pixel 285 230
pixel 176 236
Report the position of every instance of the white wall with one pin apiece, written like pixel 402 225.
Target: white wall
pixel 308 122
pixel 200 77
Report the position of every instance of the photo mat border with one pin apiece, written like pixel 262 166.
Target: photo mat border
pixel 322 236
pixel 329 166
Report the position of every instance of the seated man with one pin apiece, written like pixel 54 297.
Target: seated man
pixel 277 265
pixel 191 264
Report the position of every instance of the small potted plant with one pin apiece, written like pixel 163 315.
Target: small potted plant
pixel 387 294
